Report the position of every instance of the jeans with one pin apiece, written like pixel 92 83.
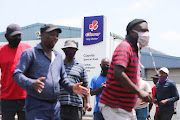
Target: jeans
pixel 98 116
pixel 69 112
pixel 164 115
pixel 12 107
pixel 41 109
pixel 142 113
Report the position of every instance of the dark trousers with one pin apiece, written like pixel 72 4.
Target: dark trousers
pixel 10 108
pixel 69 112
pixel 42 109
pixel 98 116
pixel 164 115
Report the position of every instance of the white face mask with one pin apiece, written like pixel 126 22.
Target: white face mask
pixel 143 38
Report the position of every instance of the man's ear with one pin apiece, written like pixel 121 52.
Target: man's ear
pixel 6 36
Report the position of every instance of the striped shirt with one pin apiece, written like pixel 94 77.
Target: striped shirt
pixel 114 95
pixel 76 73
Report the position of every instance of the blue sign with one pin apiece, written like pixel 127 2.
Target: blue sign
pixel 93 30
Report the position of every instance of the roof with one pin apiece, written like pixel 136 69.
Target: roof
pixel 161 60
pixel 29 32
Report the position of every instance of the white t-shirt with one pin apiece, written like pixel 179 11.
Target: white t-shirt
pixel 146 87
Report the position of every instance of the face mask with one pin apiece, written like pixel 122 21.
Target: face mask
pixel 14 42
pixel 70 53
pixel 162 80
pixel 143 38
pixel 105 70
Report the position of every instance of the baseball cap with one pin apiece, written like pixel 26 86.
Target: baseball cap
pixel 155 76
pixel 49 28
pixel 70 43
pixel 133 23
pixel 164 69
pixel 13 29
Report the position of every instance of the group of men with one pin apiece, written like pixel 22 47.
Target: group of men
pixel 55 86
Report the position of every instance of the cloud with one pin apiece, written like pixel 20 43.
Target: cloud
pixel 71 22
pixel 170 36
pixel 136 6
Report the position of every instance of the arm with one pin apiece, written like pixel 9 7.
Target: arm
pixel 174 93
pixel 21 68
pixel 124 80
pixel 98 90
pixel 86 102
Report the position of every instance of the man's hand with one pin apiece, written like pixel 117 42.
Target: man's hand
pixel 163 102
pixel 80 90
pixel 154 101
pixel 103 84
pixel 38 85
pixel 145 96
pixel 87 107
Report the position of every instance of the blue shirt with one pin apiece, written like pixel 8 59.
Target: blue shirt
pixel 34 64
pixel 76 73
pixel 96 83
pixel 166 90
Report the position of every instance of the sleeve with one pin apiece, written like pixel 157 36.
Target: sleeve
pixel 84 76
pixel 121 55
pixel 20 70
pixel 174 93
pixel 64 81
pixel 92 83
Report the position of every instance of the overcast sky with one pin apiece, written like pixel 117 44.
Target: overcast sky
pixel 162 16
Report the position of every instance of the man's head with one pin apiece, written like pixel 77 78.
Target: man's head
pixel 49 35
pixel 70 48
pixel 138 29
pixel 163 72
pixel 155 78
pixel 13 35
pixel 104 66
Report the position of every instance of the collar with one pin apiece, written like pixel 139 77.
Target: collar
pixel 132 42
pixel 75 62
pixel 39 46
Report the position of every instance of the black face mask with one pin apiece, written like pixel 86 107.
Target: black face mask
pixel 105 70
pixel 14 42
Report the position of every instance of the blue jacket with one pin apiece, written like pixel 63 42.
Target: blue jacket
pixel 166 90
pixel 34 64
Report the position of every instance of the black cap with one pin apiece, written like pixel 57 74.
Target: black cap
pixel 155 76
pixel 13 29
pixel 49 28
pixel 133 23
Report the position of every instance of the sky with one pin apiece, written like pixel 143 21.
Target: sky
pixel 163 16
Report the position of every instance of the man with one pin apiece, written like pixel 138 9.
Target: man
pixel 12 95
pixel 40 71
pixel 71 103
pixel 165 96
pixel 122 84
pixel 142 108
pixel 155 80
pixel 97 85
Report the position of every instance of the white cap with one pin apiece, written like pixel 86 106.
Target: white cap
pixel 164 69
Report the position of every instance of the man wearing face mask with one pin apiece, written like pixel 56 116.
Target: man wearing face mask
pixel 98 83
pixel 12 95
pixel 72 107
pixel 122 84
pixel 165 96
